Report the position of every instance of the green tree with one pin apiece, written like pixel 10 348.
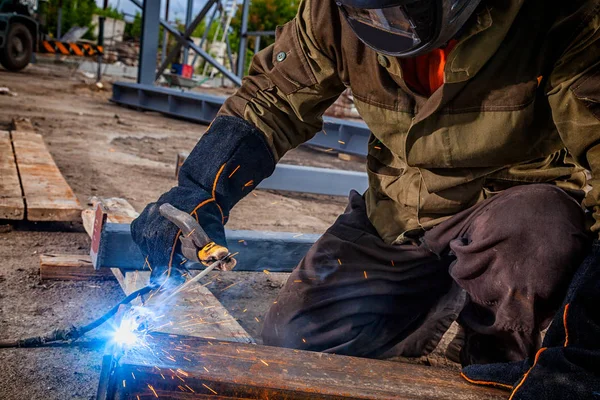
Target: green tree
pixel 110 12
pixel 134 29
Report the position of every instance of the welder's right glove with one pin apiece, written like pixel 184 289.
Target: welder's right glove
pixel 230 159
pixel 568 364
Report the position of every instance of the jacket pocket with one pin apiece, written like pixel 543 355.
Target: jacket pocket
pixel 291 71
pixel 587 90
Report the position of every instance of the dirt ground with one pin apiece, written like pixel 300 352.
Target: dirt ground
pixel 105 150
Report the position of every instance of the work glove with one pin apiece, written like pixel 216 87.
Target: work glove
pixel 230 159
pixel 568 364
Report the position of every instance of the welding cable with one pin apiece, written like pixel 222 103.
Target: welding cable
pixel 73 332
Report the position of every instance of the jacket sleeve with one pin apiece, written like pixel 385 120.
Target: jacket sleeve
pixel 292 82
pixel 574 96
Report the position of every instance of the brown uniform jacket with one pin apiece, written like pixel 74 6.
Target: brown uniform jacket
pixel 520 104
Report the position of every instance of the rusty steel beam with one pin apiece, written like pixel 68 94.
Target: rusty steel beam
pixel 179 367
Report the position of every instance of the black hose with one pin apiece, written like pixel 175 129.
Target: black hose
pixel 73 332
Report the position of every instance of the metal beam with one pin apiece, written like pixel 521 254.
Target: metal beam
pixel 327 181
pixel 148 41
pixel 183 367
pixel 296 178
pixel 113 247
pixel 338 134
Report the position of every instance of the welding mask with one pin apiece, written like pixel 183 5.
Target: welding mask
pixel 406 28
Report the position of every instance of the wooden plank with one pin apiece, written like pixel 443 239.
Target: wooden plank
pixel 11 196
pixel 48 196
pixel 22 125
pixel 210 318
pixel 179 367
pixel 70 267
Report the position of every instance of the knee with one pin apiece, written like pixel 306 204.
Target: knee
pixel 540 214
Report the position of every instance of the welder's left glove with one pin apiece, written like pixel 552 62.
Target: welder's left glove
pixel 568 364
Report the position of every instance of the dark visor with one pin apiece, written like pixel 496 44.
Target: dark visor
pixel 388 30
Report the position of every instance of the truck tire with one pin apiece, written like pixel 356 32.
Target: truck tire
pixel 16 54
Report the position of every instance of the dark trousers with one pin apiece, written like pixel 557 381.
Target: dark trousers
pixel 501 267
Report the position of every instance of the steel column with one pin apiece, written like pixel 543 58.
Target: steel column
pixel 149 41
pixel 241 62
pixel 188 19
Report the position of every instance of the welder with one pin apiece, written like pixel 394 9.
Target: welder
pixel 485 117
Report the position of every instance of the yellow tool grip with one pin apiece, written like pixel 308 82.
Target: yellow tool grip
pixel 212 252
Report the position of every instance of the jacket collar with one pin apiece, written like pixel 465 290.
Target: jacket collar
pixel 481 39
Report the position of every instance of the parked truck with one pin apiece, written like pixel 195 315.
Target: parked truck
pixel 19 33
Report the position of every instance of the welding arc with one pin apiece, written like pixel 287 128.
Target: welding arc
pixel 73 332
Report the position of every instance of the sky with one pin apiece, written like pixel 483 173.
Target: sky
pixel 177 7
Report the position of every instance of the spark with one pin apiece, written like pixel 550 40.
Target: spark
pixel 124 383
pixel 304 340
pixel 181 388
pixel 209 388
pixel 138 397
pixel 328 150
pixel 191 233
pixel 256 318
pixel 153 391
pixel 182 372
pixel 339 261
pixel 264 362
pixel 192 390
pixel 185 358
pixel 254 194
pixel 298 280
pixel 266 271
pixel 249 183
pixel 341 142
pixel 233 284
pixel 392 263
pixel 146 262
pixel 377 147
pixel 163 376
pixel 183 262
pixel 180 378
pixel 206 369
pixel 234 171
pixel 275 302
pixel 133 375
pixel 245 309
pixel 366 277
pixel 298 235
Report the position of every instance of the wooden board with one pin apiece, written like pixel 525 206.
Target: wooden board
pixel 178 367
pixel 48 196
pixel 196 312
pixel 11 196
pixel 70 267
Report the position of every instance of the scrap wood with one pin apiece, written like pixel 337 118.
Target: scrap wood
pixel 197 312
pixel 70 267
pixel 48 196
pixel 11 197
pixel 22 125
